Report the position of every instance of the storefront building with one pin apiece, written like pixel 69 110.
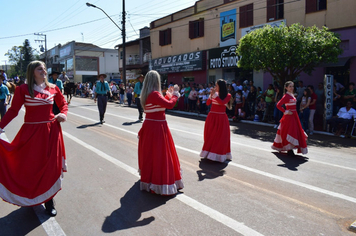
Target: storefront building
pixel 214 25
pixel 178 69
pixel 83 62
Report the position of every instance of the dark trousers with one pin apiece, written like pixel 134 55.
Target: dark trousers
pixel 334 122
pixel 2 108
pixel 139 107
pixel 304 118
pixel 102 102
pixel 129 98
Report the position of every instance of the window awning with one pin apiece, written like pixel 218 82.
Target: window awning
pixel 341 62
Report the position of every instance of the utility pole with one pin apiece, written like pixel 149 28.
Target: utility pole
pixel 41 40
pixel 5 66
pixel 123 30
pixel 123 42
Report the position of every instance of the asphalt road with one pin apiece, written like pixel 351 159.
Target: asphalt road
pixel 259 192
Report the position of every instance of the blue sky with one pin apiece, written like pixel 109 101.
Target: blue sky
pixel 67 20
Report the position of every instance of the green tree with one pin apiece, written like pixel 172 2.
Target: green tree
pixel 20 57
pixel 287 51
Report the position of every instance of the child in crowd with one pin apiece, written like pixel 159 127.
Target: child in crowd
pixel 261 107
pixel 239 102
pixel 204 97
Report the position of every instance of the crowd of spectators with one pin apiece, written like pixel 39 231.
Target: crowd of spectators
pixel 249 102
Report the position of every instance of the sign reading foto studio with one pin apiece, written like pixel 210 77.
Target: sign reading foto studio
pixel 179 63
pixel 223 57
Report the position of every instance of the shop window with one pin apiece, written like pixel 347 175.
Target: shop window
pixel 187 79
pixel 196 28
pixel 165 37
pixel 314 5
pixel 246 15
pixel 275 10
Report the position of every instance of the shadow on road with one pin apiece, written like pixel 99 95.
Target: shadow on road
pixel 133 203
pixel 88 125
pixel 290 162
pixel 19 222
pixel 210 169
pixel 267 134
pixel 131 123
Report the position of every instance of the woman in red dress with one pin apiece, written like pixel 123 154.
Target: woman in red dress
pixel 217 145
pixel 31 166
pixel 157 157
pixel 290 134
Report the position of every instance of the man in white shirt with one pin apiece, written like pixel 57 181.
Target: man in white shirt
pixel 345 116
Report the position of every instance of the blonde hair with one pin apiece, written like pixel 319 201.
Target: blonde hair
pixel 286 85
pixel 152 83
pixel 30 75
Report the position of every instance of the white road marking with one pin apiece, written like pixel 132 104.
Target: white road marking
pixel 269 150
pixel 297 183
pixel 49 224
pixel 215 215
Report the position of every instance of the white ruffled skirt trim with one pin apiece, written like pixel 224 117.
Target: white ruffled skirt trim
pixel 293 143
pixel 164 189
pixel 215 157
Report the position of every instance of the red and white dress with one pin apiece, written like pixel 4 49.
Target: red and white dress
pixel 217 145
pixel 31 166
pixel 158 161
pixel 290 134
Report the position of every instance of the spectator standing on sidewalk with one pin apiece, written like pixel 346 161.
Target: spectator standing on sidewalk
pixel 129 91
pixel 277 114
pixel 4 97
pixel 137 92
pixel 101 94
pixel 312 108
pixel 122 93
pixel 186 96
pixel 114 91
pixel 304 110
pixel 300 92
pixel 269 97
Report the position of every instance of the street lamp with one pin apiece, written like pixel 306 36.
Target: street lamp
pixel 123 38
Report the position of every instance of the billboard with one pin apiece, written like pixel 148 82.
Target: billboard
pixel 228 28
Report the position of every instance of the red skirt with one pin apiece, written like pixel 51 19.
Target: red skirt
pixel 158 161
pixel 290 135
pixel 217 145
pixel 31 166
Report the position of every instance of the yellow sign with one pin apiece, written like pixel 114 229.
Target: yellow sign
pixel 228 29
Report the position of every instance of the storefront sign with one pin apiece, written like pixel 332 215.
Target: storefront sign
pixel 223 57
pixel 228 28
pixel 179 63
pixel 328 91
pixel 247 30
pixel 65 51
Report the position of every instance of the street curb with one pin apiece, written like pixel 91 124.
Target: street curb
pixel 241 121
pixel 353 227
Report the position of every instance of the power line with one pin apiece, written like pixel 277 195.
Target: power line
pixel 46 31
